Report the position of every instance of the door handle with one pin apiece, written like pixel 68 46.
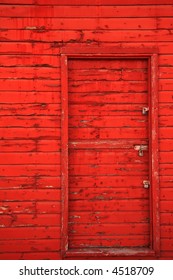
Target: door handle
pixel 146 184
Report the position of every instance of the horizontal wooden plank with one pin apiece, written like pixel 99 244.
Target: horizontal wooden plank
pixel 111 64
pixel 49 208
pixel 45 61
pixel 17 2
pixel 166 215
pixel 165 96
pixel 116 169
pixel 106 229
pixel 162 47
pixel 113 181
pixel 167 208
pixel 108 97
pixel 30 158
pixel 106 156
pixel 110 205
pixel 165 121
pixel 127 36
pixel 100 181
pixel 102 2
pixel 167 244
pixel 30 170
pixel 31 256
pixel 165 85
pixel 36 181
pixel 87 2
pixel 30 195
pixel 166 60
pixel 48 145
pixel 165 72
pixel 109 133
pixel 76 23
pixel 26 233
pixel 166 194
pixel 17 183
pixel 106 144
pixel 134 75
pixel 28 48
pixel 166 231
pixel 166 181
pixel 29 97
pixel 31 121
pixel 32 35
pixel 18 72
pixel 164 23
pixel 114 109
pixel 48 182
pixel 31 133
pixel 21 223
pixel 106 193
pixel 90 75
pixel 30 85
pixel 76 242
pixel 30 207
pixel 107 86
pixel 18 145
pixel 166 132
pixel 81 11
pixel 166 169
pixel 166 157
pixel 37 109
pixel 17 207
pixel 30 145
pixel 30 245
pixel 107 217
pixel 165 109
pixel 72 36
pixel 107 121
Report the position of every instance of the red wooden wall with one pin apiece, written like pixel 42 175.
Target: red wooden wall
pixel 32 33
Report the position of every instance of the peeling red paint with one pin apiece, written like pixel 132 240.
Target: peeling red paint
pixel 33 37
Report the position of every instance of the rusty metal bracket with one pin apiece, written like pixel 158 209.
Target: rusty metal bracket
pixel 141 149
pixel 145 110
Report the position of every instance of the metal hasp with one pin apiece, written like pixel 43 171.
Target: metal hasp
pixel 145 110
pixel 146 184
pixel 141 149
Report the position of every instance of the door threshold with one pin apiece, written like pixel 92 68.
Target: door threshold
pixel 110 252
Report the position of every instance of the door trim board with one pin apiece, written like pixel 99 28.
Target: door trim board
pixel 127 53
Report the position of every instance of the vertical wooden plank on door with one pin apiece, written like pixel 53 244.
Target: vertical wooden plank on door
pixel 64 153
pixel 154 151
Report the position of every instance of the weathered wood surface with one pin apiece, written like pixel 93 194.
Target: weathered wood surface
pixel 91 120
pixel 32 33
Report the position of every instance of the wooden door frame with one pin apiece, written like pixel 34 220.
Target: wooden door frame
pixel 151 54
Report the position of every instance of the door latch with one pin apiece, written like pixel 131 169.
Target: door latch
pixel 141 149
pixel 145 110
pixel 146 184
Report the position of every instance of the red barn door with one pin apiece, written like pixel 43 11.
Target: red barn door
pixel 108 158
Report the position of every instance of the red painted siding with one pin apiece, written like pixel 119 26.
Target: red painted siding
pixel 31 38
